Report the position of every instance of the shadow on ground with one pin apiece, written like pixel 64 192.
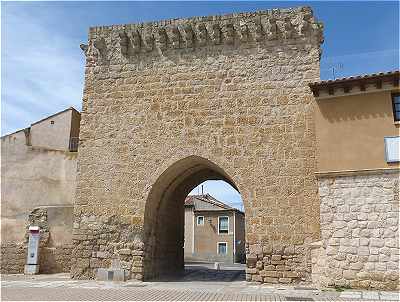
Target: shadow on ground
pixel 195 271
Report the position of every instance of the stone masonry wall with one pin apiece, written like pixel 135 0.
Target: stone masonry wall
pixel 55 259
pixel 360 230
pixel 52 258
pixel 102 239
pixel 232 90
pixel 13 258
pixel 277 263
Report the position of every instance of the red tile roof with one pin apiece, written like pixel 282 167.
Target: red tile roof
pixel 360 80
pixel 190 201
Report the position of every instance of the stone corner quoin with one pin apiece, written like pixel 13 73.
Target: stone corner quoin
pixel 169 104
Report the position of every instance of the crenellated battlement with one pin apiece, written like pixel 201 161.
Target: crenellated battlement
pixel 124 42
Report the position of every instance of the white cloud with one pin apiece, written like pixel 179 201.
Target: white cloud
pixel 41 73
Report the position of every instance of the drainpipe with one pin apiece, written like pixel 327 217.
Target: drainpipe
pixel 194 218
pixel 234 236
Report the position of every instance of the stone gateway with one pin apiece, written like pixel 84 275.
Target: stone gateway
pixel 170 104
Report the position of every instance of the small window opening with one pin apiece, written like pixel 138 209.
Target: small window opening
pixel 222 248
pixel 223 225
pixel 200 220
pixel 396 106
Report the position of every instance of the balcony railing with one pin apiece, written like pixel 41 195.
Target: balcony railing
pixel 73 144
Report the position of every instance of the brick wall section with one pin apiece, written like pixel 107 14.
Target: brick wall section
pixel 229 89
pixel 360 230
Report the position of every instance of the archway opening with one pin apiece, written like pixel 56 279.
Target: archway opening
pixel 214 239
pixel 170 215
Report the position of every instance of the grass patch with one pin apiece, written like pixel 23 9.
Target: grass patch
pixel 341 288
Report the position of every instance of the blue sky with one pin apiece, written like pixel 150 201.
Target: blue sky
pixel 42 65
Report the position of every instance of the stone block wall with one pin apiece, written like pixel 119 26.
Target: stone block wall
pixel 99 240
pixel 225 94
pixel 318 265
pixel 51 260
pixel 360 230
pixel 55 259
pixel 279 263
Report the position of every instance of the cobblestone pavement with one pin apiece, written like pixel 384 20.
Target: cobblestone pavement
pixel 225 285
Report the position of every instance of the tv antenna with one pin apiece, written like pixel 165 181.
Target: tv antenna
pixel 334 68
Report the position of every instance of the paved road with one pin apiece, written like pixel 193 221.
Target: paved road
pixel 199 283
pixel 126 294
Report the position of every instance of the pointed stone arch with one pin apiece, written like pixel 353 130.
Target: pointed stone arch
pixel 164 210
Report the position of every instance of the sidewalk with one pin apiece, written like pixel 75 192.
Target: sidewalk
pixel 59 287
